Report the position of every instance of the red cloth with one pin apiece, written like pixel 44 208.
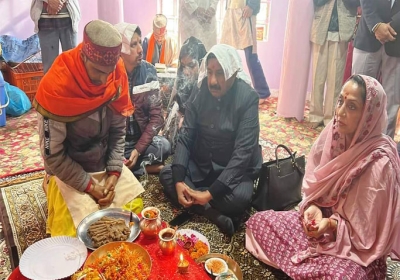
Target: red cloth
pixel 163 267
pixel 166 267
pixel 349 62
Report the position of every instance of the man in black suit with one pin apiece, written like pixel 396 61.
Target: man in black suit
pixel 217 156
pixel 377 50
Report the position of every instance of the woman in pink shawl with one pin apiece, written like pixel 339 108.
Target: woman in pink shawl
pixel 349 219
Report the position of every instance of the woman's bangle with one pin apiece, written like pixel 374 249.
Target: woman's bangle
pixel 332 224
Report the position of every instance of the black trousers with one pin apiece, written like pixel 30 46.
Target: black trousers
pixel 233 204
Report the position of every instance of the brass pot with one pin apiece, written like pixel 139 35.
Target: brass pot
pixel 150 226
pixel 167 241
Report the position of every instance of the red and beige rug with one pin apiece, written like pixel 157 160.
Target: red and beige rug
pixel 23 206
pixel 19 140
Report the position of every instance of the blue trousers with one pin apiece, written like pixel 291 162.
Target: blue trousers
pixel 256 73
pixel 157 152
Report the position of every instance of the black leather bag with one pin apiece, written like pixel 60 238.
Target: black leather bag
pixel 279 184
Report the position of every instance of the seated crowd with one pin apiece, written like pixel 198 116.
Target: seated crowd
pixel 114 130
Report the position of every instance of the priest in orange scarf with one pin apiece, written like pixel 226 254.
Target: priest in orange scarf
pixel 158 47
pixel 82 104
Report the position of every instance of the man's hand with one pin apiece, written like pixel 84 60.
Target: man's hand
pixel 110 184
pixel 209 14
pixel 247 12
pixel 201 15
pixel 200 197
pixel 54 6
pixel 182 191
pixel 102 195
pixel 131 162
pixel 385 33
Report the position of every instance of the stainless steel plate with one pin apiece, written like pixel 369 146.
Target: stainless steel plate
pixel 83 226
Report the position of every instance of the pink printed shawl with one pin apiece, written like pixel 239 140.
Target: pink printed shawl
pixel 360 184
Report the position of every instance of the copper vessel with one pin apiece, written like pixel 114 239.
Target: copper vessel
pixel 150 225
pixel 167 241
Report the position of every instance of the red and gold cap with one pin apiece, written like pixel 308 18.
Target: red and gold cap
pixel 102 43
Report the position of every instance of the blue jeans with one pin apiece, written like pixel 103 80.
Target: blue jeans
pixel 256 73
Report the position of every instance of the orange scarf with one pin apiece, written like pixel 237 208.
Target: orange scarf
pixel 150 50
pixel 66 90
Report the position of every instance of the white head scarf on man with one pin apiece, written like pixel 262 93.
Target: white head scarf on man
pixel 230 62
pixel 126 30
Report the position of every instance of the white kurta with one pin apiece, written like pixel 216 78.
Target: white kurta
pixel 237 31
pixel 189 24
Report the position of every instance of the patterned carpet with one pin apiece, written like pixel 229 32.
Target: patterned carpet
pixel 23 204
pixel 19 146
pixel 19 150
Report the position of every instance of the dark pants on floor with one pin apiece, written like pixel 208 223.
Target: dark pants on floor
pixel 256 73
pixel 233 204
pixel 50 40
pixel 158 151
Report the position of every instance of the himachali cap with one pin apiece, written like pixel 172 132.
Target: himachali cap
pixel 160 25
pixel 101 43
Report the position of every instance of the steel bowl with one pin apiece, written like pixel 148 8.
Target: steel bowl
pixel 232 265
pixel 118 213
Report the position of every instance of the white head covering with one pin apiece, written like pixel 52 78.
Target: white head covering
pixel 126 30
pixel 230 62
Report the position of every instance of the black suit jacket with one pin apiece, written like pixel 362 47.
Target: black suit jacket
pixel 373 12
pixel 219 136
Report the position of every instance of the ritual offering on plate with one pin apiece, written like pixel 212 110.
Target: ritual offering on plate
pixel 120 260
pixel 108 225
pixel 212 264
pixel 183 265
pixel 193 244
pixel 167 241
pixel 216 266
pixel 151 223
pixel 108 229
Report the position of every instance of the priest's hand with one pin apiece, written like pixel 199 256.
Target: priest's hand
pixel 110 184
pixel 100 194
pixel 247 12
pixel 200 197
pixel 182 190
pixel 131 162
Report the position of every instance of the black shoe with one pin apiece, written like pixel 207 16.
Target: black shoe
pixel 224 223
pixel 181 219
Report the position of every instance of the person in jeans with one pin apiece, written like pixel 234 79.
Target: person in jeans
pixel 144 148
